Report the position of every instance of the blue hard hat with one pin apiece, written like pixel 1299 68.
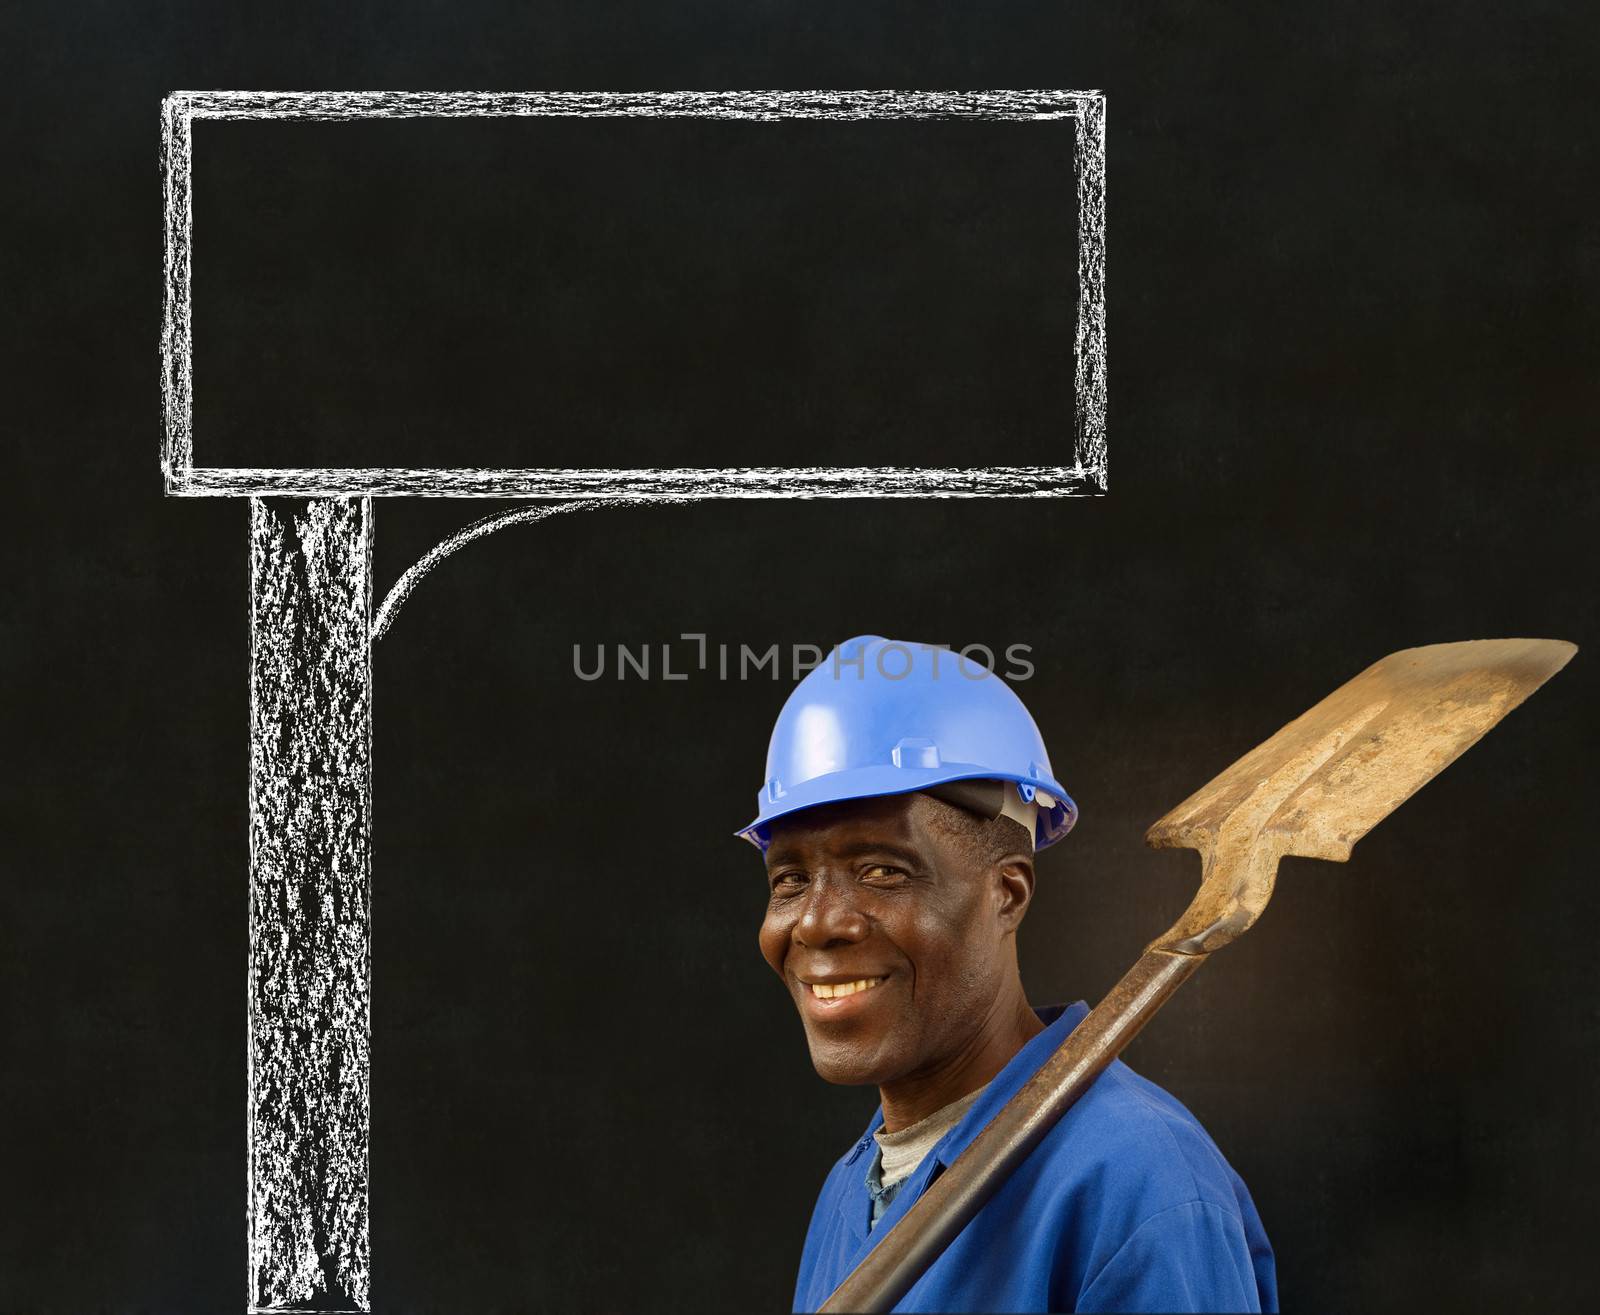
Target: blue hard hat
pixel 880 717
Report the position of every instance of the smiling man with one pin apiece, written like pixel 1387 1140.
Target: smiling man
pixel 906 793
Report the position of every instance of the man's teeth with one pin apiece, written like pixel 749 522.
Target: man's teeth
pixel 830 990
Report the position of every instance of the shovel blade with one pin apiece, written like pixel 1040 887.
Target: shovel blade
pixel 1336 771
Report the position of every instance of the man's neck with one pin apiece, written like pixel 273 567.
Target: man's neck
pixel 912 1099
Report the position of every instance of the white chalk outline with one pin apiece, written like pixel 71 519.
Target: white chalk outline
pixel 401 589
pixel 312 633
pixel 1086 476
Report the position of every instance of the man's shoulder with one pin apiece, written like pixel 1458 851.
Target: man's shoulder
pixel 1126 1141
pixel 1130 1139
pixel 1128 1188
pixel 1126 1191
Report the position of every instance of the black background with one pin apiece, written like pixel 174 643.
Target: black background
pixel 1352 285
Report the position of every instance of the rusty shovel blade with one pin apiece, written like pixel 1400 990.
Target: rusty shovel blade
pixel 1336 771
pixel 1313 789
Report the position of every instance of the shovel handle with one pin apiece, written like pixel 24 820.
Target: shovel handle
pixel 952 1199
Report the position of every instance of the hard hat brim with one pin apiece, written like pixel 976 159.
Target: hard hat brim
pixel 873 782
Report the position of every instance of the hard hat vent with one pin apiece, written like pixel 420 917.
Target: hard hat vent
pixel 915 753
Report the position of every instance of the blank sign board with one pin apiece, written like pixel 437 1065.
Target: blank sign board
pixel 522 295
pixel 582 297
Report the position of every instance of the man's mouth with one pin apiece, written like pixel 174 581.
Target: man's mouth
pixel 833 990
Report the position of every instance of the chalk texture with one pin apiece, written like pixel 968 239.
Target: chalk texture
pixel 310 903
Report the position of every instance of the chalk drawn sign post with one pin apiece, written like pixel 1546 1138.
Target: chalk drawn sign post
pixel 313 626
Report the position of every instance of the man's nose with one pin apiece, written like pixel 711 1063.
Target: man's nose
pixel 830 917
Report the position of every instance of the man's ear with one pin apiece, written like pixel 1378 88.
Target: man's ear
pixel 1014 875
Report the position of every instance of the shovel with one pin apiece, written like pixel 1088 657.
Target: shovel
pixel 1312 790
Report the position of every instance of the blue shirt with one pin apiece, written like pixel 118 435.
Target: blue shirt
pixel 1125 1205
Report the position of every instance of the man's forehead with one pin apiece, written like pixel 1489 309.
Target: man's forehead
pixel 849 822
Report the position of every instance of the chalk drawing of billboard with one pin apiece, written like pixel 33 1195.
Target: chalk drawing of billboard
pixel 313 627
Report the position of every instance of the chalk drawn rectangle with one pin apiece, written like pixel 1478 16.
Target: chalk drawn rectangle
pixel 1085 474
pixel 591 292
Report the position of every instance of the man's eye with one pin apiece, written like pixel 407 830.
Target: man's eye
pixel 882 872
pixel 788 880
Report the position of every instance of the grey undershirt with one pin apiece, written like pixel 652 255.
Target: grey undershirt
pixel 899 1153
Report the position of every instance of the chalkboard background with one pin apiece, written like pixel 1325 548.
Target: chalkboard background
pixel 1352 285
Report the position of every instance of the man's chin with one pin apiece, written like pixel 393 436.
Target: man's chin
pixel 849 1065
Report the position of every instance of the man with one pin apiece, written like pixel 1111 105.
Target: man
pixel 906 793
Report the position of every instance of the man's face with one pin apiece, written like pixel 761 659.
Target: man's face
pixel 876 891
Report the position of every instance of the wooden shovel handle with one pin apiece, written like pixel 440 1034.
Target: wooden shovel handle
pixel 952 1199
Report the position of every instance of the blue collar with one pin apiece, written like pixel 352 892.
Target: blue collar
pixel 1059 1020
